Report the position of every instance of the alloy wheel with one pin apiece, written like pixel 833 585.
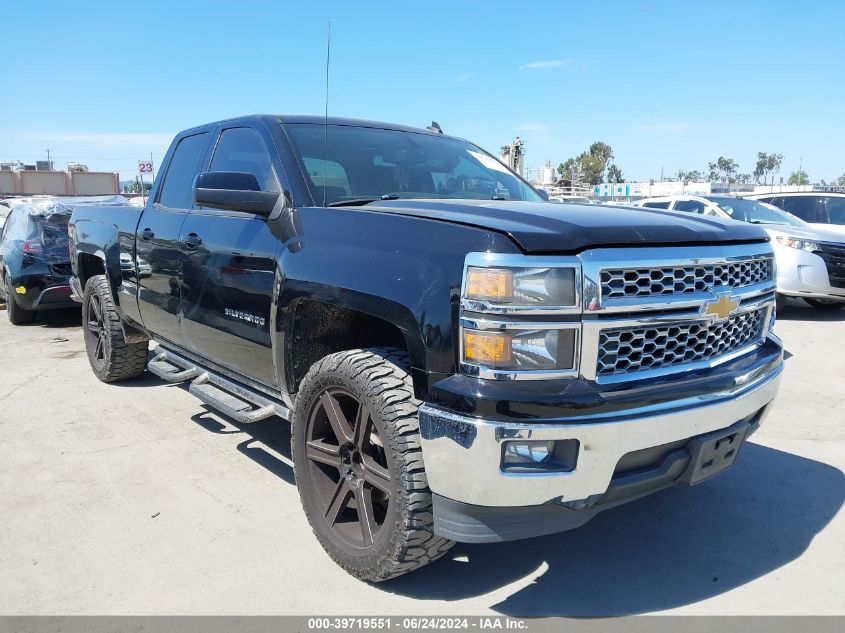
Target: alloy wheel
pixel 96 330
pixel 347 467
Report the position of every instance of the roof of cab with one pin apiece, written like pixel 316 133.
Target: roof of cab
pixel 293 119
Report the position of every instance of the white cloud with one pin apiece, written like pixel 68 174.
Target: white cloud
pixel 667 127
pixel 549 63
pixel 463 77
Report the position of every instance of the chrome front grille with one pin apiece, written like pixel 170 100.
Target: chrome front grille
pixel 668 280
pixel 627 350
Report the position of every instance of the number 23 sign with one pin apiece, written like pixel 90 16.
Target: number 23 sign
pixel 145 167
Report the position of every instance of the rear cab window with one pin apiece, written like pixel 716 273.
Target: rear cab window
pixel 656 205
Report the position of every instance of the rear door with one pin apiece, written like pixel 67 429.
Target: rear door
pixel 229 266
pixel 157 249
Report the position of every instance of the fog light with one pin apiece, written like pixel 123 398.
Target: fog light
pixel 533 455
pixel 528 452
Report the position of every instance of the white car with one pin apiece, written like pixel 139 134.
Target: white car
pixel 4 212
pixel 810 260
pixel 823 210
pixel 568 199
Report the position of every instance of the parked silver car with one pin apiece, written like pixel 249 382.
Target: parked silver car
pixel 810 260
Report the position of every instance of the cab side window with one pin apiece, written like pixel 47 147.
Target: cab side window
pixel 834 209
pixel 805 207
pixel 177 188
pixel 241 149
pixel 693 206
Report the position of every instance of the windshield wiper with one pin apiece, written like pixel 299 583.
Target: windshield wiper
pixel 359 202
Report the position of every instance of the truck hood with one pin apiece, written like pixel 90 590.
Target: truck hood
pixel 542 227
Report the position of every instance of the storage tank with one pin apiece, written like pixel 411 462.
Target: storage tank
pixel 548 174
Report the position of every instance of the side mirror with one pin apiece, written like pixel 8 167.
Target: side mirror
pixel 234 191
pixel 543 194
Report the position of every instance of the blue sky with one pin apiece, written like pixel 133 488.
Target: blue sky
pixel 667 84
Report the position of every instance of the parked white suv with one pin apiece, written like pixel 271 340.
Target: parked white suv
pixel 810 260
pixel 825 211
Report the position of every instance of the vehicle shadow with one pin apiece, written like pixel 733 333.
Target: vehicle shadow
pixel 668 550
pixel 272 434
pixel 64 318
pixel 800 311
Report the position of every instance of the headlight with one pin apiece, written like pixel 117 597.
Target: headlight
pixel 518 316
pixel 548 349
pixel 794 242
pixel 541 288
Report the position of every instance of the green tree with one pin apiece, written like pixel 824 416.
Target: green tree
pixel 588 167
pixel 723 170
pixel 799 177
pixel 841 180
pixel 603 152
pixel 767 164
pixel 614 174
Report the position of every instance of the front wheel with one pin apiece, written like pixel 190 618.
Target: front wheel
pixel 110 356
pixel 825 304
pixel 359 465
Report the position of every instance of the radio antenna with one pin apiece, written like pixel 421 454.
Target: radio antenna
pixel 326 118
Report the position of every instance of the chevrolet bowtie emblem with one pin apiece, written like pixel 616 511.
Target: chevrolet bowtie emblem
pixel 721 308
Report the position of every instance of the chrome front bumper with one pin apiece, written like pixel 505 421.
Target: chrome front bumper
pixel 463 454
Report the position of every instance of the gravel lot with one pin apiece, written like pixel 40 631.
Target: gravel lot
pixel 135 499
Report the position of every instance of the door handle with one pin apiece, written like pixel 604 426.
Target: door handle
pixel 147 235
pixel 191 241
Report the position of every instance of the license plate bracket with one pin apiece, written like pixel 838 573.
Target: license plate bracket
pixel 713 453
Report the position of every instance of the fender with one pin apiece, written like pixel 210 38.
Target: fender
pixel 105 242
pixel 406 271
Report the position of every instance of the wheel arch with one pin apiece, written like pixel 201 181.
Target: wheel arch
pixel 315 327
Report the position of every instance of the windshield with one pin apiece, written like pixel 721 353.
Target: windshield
pixel 757 212
pixel 359 163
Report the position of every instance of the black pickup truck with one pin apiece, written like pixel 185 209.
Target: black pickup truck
pixel 460 360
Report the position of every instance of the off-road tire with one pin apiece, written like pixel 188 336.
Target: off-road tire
pixel 380 379
pixel 16 314
pixel 825 305
pixel 119 360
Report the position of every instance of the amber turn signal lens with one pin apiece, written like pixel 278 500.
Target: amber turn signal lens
pixel 487 348
pixel 489 284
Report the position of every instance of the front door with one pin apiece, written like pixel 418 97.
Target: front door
pixel 229 268
pixel 157 251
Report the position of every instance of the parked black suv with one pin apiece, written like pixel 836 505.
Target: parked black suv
pixel 34 259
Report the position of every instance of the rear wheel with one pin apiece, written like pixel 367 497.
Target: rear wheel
pixel 359 464
pixel 825 304
pixel 16 314
pixel 110 356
